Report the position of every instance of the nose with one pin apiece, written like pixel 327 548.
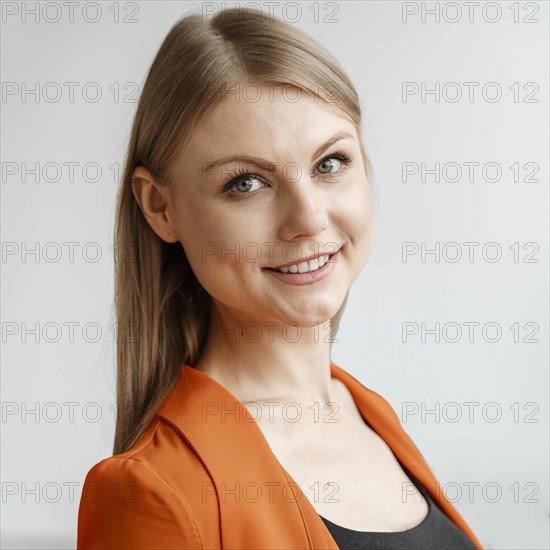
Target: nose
pixel 304 208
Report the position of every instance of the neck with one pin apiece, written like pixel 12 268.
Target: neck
pixel 270 361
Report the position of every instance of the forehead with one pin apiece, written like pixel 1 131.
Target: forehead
pixel 266 121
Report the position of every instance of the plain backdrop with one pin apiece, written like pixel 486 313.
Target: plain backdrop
pixel 487 441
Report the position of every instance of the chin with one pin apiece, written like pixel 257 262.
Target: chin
pixel 312 319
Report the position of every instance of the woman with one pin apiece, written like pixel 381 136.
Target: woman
pixel 246 209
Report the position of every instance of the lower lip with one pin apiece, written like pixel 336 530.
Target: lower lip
pixel 306 278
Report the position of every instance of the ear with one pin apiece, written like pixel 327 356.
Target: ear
pixel 154 201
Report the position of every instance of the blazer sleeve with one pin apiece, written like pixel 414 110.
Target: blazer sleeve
pixel 127 505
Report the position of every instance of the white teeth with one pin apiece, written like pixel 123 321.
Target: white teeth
pixel 305 267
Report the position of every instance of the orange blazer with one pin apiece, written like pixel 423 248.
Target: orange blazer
pixel 203 476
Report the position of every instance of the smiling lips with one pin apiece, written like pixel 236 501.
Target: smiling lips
pixel 305 273
pixel 305 266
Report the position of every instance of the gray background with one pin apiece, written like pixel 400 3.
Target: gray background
pixel 52 451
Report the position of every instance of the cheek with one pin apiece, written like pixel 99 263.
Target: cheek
pixel 355 209
pixel 364 209
pixel 219 243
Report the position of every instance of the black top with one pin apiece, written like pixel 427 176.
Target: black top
pixel 435 532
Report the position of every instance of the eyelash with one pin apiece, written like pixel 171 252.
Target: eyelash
pixel 238 174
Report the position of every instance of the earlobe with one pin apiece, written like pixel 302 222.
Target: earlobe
pixel 153 200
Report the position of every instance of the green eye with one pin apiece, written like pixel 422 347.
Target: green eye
pixel 242 184
pixel 339 156
pixel 329 163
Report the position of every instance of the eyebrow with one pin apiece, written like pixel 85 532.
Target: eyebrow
pixel 270 166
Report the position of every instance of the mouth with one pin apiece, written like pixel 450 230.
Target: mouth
pixel 310 265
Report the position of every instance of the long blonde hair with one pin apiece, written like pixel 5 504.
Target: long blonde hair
pixel 162 310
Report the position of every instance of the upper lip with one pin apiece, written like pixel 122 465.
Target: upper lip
pixel 306 259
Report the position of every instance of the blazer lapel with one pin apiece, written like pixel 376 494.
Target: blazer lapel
pixel 381 417
pixel 260 505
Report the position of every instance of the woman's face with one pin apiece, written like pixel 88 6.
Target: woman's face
pixel 303 201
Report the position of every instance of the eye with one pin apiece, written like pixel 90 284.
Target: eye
pixel 329 163
pixel 241 184
pixel 333 163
